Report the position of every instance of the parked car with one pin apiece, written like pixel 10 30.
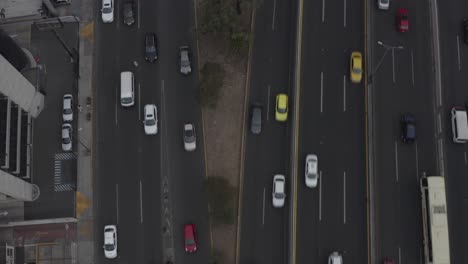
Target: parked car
pixel 184 60
pixel 67 112
pixel 389 260
pixel 335 258
pixel 107 11
pixel 408 128
pixel 190 139
pixel 256 119
pixel 129 13
pixel 110 241
pixel 279 190
pixel 311 171
pixel 281 109
pixel 190 238
pixel 150 120
pixel 67 132
pixel 402 20
pixel 151 47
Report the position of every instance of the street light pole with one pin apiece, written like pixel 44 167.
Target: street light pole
pixel 387 48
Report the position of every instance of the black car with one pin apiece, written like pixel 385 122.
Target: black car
pixel 151 47
pixel 128 13
pixel 408 128
pixel 465 30
pixel 256 119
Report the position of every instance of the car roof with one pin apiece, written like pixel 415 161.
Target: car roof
pixel 279 183
pixel 282 100
pixel 188 230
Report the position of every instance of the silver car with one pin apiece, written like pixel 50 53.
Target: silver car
pixel 335 258
pixel 184 60
pixel 67 137
pixel 311 171
pixel 190 138
pixel 383 4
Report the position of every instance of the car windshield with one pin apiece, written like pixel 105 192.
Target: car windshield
pixel 150 122
pixel 189 241
pixel 107 10
pixel 384 1
pixel 357 70
pixel 150 48
pixel 281 110
pixel 66 140
pixel 109 247
pixel 67 111
pixel 127 100
pixel 189 135
pixel 279 195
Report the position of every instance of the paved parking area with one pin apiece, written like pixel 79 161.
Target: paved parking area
pixel 53 170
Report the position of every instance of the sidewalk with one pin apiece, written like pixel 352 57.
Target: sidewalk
pixel 84 194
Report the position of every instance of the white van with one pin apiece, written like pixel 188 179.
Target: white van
pixel 459 125
pixel 127 94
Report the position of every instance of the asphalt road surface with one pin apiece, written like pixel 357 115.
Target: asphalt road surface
pixel 402 82
pixel 263 237
pixel 454 69
pixel 332 216
pixel 133 170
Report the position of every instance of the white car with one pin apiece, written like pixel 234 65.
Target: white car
pixel 67 108
pixel 150 120
pixel 184 60
pixel 335 258
pixel 110 241
pixel 190 139
pixel 107 11
pixel 67 137
pixel 311 171
pixel 279 186
pixel 383 4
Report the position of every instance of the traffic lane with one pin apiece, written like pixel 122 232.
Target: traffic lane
pixel 263 226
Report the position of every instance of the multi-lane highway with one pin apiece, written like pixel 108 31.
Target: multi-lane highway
pixel 401 80
pixel 137 175
pixel 263 237
pixel 332 216
pixel 454 69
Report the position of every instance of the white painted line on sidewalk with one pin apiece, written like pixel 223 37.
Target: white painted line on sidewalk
pixel 393 65
pixel 141 204
pixel 412 67
pixel 268 102
pixel 263 209
pixel 344 93
pixel 399 254
pixel 139 103
pixel 344 197
pixel 117 202
pixel 417 162
pixel 321 92
pixel 465 157
pixel 274 15
pixel 323 11
pixel 344 14
pixel 320 196
pixel 458 52
pixel 396 160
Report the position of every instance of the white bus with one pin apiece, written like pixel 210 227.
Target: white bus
pixel 435 224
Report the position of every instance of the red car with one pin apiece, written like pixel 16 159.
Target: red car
pixel 190 238
pixel 388 260
pixel 402 20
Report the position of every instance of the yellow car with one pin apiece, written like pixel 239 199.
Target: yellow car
pixel 356 67
pixel 281 113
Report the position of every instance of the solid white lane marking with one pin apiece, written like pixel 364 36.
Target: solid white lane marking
pixel 320 196
pixel 458 52
pixel 141 204
pixel 138 14
pixel 465 157
pixel 344 14
pixel 139 103
pixel 268 102
pixel 321 92
pixel 323 11
pixel 344 197
pixel 263 209
pixel 412 67
pixel 117 202
pixel 344 93
pixel 393 65
pixel 274 15
pixel 116 103
pixel 396 160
